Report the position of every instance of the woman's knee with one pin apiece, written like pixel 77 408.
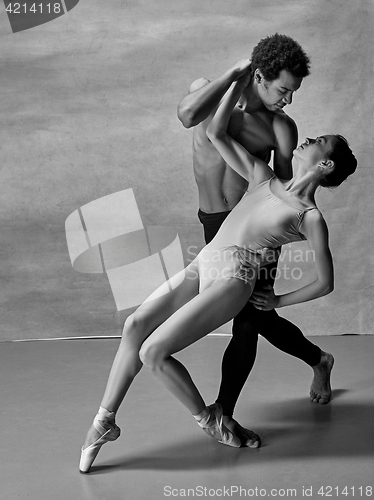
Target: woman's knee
pixel 134 328
pixel 151 355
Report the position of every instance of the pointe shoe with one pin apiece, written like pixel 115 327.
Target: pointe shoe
pixel 108 433
pixel 247 437
pixel 213 425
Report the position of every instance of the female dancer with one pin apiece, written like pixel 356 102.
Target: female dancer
pixel 215 286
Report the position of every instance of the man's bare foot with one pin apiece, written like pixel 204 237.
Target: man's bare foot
pixel 320 390
pixel 247 437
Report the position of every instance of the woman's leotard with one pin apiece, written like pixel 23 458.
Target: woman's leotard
pixel 250 236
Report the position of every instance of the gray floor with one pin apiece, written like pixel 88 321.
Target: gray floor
pixel 51 389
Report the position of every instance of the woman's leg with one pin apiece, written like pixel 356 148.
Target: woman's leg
pixel 210 309
pixel 153 312
pixel 158 307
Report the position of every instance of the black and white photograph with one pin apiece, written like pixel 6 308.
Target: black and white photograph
pixel 187 270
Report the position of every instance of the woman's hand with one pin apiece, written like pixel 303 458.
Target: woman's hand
pixel 244 80
pixel 264 299
pixel 239 69
pixel 315 230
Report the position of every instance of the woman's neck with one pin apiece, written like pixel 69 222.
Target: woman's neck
pixel 303 186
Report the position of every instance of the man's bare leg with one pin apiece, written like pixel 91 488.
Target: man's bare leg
pixel 320 390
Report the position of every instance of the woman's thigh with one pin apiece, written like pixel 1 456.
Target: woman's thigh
pixel 202 314
pixel 163 302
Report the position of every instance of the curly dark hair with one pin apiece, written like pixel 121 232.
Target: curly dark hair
pixel 277 52
pixel 344 160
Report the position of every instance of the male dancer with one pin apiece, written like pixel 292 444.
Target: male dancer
pixel 278 65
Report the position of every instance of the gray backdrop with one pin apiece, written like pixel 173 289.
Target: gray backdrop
pixel 88 108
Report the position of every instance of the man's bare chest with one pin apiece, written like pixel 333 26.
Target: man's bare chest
pixel 253 131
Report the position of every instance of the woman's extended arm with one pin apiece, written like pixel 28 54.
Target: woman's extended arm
pixel 235 155
pixel 315 229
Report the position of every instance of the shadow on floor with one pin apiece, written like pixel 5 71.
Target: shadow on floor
pixel 291 429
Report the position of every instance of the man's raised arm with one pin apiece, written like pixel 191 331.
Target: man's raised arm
pixel 204 96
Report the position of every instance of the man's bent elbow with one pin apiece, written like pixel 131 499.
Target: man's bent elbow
pixel 185 116
pixel 212 134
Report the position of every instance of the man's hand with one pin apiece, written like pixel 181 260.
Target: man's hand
pixel 264 299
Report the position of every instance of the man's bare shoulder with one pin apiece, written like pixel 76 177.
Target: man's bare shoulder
pixel 284 126
pixel 282 120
